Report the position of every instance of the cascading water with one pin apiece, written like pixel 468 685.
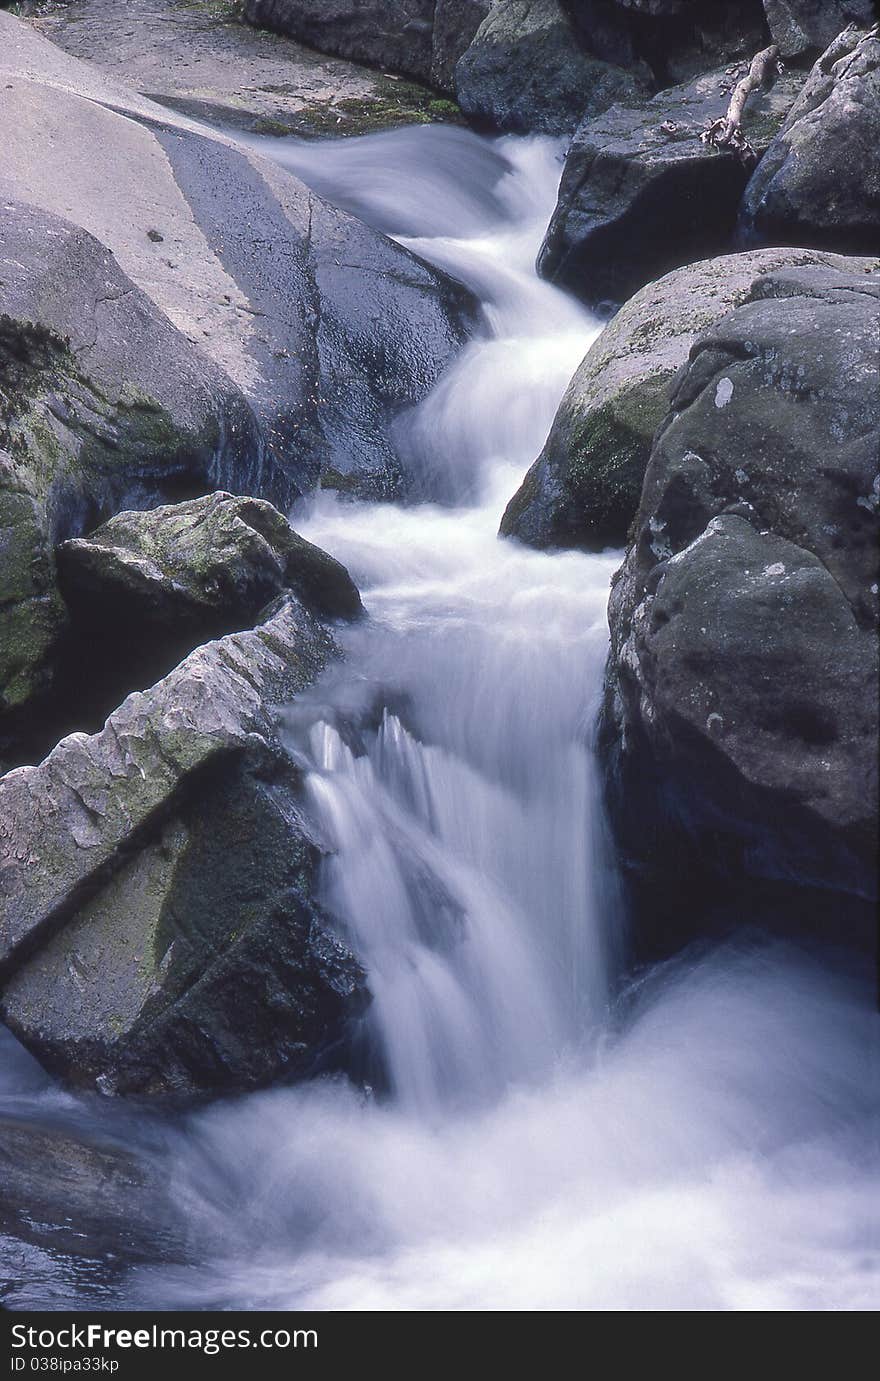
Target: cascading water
pixel 701 1141
pixel 469 870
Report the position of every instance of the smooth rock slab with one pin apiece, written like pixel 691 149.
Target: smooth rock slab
pixel 328 327
pixel 103 404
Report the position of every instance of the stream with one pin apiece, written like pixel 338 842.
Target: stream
pixel 539 1129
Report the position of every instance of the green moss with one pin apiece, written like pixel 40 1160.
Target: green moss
pixel 266 125
pixel 608 455
pixel 391 104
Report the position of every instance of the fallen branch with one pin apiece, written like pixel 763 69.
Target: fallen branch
pixel 726 131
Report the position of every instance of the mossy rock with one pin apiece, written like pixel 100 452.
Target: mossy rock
pixel 103 405
pixel 584 488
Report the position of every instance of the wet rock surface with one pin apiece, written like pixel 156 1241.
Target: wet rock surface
pixel 327 327
pixel 65 1191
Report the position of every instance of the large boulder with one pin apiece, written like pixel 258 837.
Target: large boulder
pixel 678 39
pixel 803 26
pixel 525 71
pixel 740 726
pixel 147 587
pixel 399 35
pixel 103 404
pixel 584 488
pixel 159 928
pixel 640 194
pixel 819 181
pixel 328 327
pixel 455 24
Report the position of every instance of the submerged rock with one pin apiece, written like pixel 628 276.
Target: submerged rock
pixel 740 724
pixel 819 181
pixel 159 930
pixel 640 194
pixel 68 1192
pixel 525 71
pixel 584 488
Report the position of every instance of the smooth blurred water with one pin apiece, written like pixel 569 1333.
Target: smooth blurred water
pixel 542 1136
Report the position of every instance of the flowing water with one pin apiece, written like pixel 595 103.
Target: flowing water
pixel 542 1135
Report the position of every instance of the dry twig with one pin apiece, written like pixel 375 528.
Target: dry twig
pixel 726 131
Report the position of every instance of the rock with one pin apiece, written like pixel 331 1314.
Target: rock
pixel 159 931
pixel 819 181
pixel 103 404
pixel 69 1193
pixel 455 24
pixel 803 26
pixel 740 724
pixel 145 588
pixel 524 71
pixel 399 35
pixel 200 60
pixel 214 560
pixel 584 488
pixel 677 39
pixel 637 200
pixel 329 328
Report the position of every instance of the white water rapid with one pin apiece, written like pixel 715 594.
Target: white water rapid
pixel 544 1137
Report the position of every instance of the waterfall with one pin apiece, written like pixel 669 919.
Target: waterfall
pixel 546 1135
pixel 470 871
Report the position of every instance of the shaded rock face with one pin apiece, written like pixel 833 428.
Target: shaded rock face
pixel 455 24
pixel 147 587
pixel 819 181
pixel 399 36
pixel 674 39
pixel 159 931
pixel 102 404
pixel 524 71
pixel 802 26
pixel 327 327
pixel 741 714
pixel 636 201
pixel 584 488
pixel 530 64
